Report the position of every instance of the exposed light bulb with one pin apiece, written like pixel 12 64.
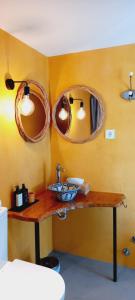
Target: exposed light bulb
pixel 131 74
pixel 26 106
pixel 130 93
pixel 63 114
pixel 81 113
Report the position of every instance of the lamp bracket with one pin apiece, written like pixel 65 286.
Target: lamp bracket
pixel 10 83
pixel 129 94
pixel 71 99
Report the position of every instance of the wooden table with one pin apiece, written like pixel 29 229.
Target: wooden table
pixel 48 205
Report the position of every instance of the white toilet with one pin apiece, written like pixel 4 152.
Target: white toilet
pixel 26 281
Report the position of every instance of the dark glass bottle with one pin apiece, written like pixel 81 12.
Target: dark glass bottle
pixel 25 194
pixel 19 198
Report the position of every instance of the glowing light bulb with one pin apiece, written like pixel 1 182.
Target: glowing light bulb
pixel 63 114
pixel 131 74
pixel 130 93
pixel 81 113
pixel 26 106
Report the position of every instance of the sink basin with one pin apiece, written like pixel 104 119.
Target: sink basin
pixel 64 191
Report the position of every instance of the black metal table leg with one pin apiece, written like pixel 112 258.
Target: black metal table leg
pixel 37 243
pixel 114 244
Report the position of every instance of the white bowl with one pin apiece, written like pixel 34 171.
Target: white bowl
pixel 78 181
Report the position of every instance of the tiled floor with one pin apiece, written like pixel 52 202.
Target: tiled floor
pixel 92 280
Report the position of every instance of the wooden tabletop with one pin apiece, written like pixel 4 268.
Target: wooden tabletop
pixel 48 205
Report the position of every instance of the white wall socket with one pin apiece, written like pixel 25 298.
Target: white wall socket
pixel 110 134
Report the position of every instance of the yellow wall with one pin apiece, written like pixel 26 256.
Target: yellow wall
pixel 80 129
pixel 22 162
pixel 106 165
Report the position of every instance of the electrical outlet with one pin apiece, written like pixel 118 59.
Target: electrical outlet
pixel 110 134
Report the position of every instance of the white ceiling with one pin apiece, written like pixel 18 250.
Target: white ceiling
pixel 55 27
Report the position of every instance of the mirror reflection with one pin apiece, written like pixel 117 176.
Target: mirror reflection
pixel 78 114
pixel 32 114
pixel 63 115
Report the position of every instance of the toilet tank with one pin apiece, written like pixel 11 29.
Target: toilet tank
pixel 3 234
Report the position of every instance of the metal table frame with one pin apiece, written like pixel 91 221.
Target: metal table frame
pixel 114 244
pixel 37 244
pixel 48 205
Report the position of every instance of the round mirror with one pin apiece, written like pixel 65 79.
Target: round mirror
pixel 33 125
pixel 78 114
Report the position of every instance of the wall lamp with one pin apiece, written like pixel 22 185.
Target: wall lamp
pixel 129 94
pixel 26 106
pixel 81 112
